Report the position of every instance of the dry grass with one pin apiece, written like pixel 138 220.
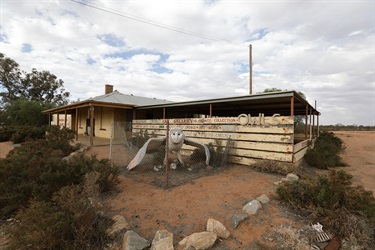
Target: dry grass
pixel 291 238
pixel 276 167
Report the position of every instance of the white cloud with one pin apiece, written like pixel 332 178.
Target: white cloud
pixel 324 49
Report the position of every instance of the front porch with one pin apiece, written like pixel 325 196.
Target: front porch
pixel 97 141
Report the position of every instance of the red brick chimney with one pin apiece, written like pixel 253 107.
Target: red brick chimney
pixel 108 89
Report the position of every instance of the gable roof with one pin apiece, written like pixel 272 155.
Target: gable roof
pixel 117 97
pixel 114 99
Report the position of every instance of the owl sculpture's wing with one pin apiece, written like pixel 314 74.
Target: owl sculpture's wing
pixel 151 144
pixel 201 146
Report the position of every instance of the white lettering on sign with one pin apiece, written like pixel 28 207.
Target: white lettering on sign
pixel 247 119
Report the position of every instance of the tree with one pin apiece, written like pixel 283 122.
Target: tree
pixel 298 118
pixel 24 112
pixel 269 90
pixel 42 87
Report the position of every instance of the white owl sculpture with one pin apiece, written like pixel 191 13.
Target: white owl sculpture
pixel 176 140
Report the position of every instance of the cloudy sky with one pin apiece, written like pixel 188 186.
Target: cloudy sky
pixel 199 49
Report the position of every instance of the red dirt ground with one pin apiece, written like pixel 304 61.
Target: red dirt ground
pixel 185 209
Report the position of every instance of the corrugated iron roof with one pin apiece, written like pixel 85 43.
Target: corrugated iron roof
pixel 117 97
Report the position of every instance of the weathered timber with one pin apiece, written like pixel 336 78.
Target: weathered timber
pixel 217 120
pixel 287 138
pixel 300 145
pixel 299 155
pixel 277 147
pixel 281 129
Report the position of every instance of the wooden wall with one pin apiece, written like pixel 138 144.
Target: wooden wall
pixel 268 138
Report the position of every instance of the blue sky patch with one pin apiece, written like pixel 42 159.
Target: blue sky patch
pixel 157 67
pixel 3 37
pixel 160 69
pixel 26 48
pixel 90 61
pixel 112 40
pixel 257 35
pixel 130 53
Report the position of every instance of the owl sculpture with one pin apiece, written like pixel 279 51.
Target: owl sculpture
pixel 176 140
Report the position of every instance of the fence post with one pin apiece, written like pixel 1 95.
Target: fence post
pixel 167 154
pixel 111 140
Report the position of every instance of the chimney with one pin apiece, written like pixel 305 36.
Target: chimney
pixel 108 89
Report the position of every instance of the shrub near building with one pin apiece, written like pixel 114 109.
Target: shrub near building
pixel 55 200
pixel 326 152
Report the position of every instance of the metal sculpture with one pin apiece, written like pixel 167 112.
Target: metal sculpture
pixel 176 140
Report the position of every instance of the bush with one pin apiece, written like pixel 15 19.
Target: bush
pixel 326 152
pixel 6 133
pixel 348 210
pixel 71 220
pixel 18 134
pixel 55 198
pixel 37 169
pixel 219 154
pixel 24 133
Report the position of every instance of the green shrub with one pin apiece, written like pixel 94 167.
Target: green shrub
pixel 26 132
pixel 326 152
pixel 73 219
pixel 140 138
pixel 6 133
pixel 18 134
pixel 334 201
pixel 37 169
pixel 219 154
pixel 60 138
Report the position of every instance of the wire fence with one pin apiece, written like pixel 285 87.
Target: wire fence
pixel 165 157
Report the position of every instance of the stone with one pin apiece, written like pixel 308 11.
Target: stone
pixel 236 219
pixel 292 177
pixel 163 240
pixel 132 241
pixel 198 241
pixel 263 199
pixel 218 228
pixel 119 224
pixel 252 207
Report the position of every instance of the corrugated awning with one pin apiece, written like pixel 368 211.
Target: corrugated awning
pixel 267 103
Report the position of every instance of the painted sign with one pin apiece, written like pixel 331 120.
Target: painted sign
pixel 247 119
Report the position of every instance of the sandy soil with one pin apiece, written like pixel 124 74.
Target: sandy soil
pixel 185 208
pixel 5 147
pixel 360 156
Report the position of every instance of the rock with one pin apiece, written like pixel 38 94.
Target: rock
pixel 292 177
pixel 237 219
pixel 120 224
pixel 263 199
pixel 132 241
pixel 163 240
pixel 218 228
pixel 252 207
pixel 198 241
pixel 276 183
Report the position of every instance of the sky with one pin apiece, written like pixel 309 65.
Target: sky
pixel 199 49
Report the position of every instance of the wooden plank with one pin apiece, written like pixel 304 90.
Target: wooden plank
pixel 243 160
pixel 300 145
pixel 288 138
pixel 299 155
pixel 220 120
pixel 263 155
pixel 264 146
pixel 288 129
